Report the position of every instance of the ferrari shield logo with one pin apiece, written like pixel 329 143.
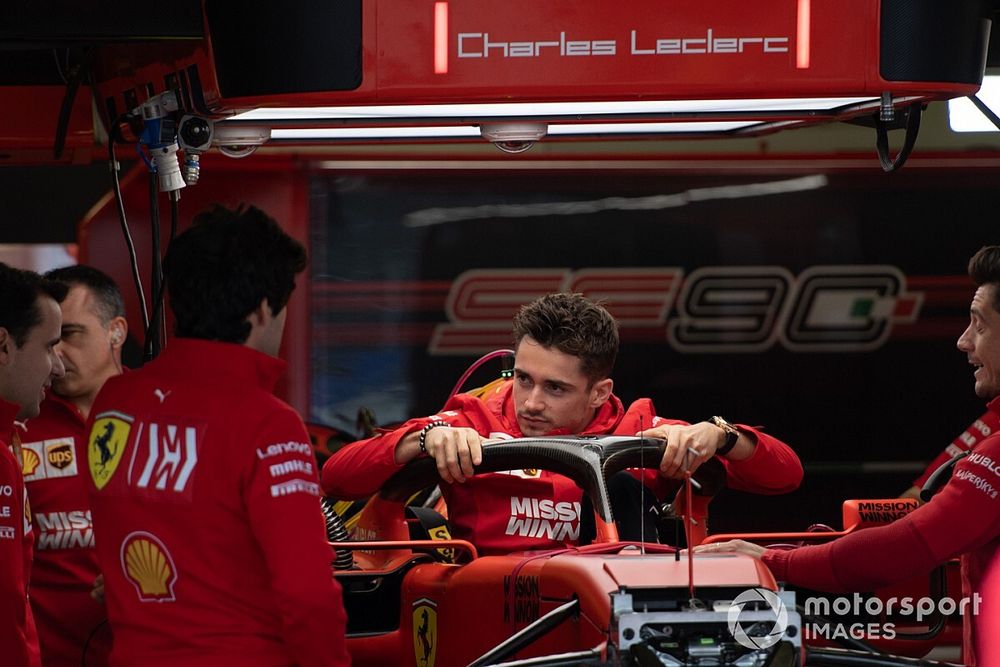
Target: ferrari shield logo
pixel 107 443
pixel 424 632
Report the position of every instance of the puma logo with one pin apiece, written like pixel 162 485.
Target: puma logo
pixel 160 394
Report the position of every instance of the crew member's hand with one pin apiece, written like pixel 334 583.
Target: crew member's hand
pixel 97 592
pixel 455 450
pixel 731 547
pixel 687 446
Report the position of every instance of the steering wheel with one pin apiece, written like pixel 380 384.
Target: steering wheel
pixel 587 460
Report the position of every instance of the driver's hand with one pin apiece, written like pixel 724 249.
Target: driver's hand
pixel 687 446
pixel 97 592
pixel 455 450
pixel 732 547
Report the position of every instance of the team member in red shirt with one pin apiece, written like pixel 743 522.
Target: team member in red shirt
pixel 204 491
pixel 29 332
pixel 65 566
pixel 962 520
pixel 977 431
pixel 566 349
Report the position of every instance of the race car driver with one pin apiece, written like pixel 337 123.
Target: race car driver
pixel 69 620
pixel 29 332
pixel 204 489
pixel 565 350
pixel 963 519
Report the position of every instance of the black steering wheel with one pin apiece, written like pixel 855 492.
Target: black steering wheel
pixel 587 460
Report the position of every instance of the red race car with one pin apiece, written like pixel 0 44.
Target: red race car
pixel 609 603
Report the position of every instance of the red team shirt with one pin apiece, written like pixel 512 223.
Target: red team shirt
pixel 18 639
pixel 519 510
pixel 963 519
pixel 978 431
pixel 206 510
pixel 65 566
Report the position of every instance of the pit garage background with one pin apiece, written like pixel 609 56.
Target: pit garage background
pixel 782 280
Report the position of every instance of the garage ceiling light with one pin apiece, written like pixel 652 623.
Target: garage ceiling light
pixel 472 131
pixel 963 116
pixel 552 110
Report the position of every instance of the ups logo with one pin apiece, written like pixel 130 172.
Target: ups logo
pixel 60 456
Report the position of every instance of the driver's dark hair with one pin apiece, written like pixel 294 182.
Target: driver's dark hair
pixel 19 293
pixel 573 324
pixel 108 298
pixel 220 269
pixel 984 269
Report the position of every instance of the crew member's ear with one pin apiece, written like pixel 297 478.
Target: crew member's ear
pixel 600 392
pixel 261 315
pixel 118 331
pixel 6 341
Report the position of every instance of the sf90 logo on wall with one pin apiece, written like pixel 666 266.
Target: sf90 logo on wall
pixel 711 310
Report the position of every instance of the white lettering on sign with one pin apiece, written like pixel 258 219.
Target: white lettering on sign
pixel 480 45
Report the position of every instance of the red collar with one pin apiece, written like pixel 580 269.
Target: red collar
pixel 8 412
pixel 238 363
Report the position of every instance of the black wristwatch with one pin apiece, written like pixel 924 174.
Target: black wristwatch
pixel 732 435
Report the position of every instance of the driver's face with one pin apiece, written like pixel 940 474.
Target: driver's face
pixel 551 392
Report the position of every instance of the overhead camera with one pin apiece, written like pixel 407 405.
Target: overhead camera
pixel 194 133
pixel 237 140
pixel 513 137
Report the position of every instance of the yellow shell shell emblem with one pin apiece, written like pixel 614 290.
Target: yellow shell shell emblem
pixel 108 438
pixel 147 563
pixel 29 461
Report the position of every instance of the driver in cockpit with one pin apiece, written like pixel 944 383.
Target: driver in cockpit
pixel 565 349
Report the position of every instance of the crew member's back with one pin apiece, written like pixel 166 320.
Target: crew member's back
pixel 204 489
pixel 207 527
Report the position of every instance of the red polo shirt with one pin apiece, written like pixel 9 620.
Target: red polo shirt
pixel 54 450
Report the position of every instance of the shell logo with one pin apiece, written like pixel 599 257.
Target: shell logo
pixel 29 461
pixel 148 565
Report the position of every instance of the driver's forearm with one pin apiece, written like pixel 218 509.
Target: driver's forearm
pixel 408 448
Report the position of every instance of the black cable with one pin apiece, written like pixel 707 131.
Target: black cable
pixel 151 347
pixel 86 644
pixel 890 164
pixel 117 189
pixel 77 73
pixel 158 323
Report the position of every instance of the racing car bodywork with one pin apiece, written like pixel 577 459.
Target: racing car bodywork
pixel 606 603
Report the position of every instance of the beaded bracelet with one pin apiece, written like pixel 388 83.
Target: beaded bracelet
pixel 423 434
